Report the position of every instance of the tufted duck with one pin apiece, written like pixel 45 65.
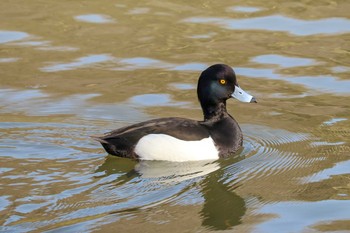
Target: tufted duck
pixel 180 139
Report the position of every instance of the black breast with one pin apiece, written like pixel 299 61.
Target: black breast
pixel 226 134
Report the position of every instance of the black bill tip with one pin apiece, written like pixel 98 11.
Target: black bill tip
pixel 253 100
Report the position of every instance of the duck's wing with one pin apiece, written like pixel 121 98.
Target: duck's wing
pixel 122 141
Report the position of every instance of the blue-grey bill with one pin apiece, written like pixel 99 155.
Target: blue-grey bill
pixel 243 96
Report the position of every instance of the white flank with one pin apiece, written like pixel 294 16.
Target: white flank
pixel 165 147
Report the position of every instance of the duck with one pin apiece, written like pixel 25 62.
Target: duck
pixel 177 139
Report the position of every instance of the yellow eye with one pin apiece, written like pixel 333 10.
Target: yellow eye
pixel 222 81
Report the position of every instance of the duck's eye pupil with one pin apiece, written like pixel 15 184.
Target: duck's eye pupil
pixel 222 81
pixel 240 93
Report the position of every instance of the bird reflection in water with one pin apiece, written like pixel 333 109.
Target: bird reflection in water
pixel 165 181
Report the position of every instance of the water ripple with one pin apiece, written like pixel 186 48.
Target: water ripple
pixel 10 36
pixel 244 9
pixel 94 18
pixel 302 215
pixel 284 61
pixel 147 100
pixel 324 83
pixel 338 169
pixel 78 63
pixel 280 23
pixel 270 154
pixel 35 102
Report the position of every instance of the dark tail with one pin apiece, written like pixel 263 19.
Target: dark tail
pixel 99 139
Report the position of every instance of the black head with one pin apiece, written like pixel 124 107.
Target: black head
pixel 216 84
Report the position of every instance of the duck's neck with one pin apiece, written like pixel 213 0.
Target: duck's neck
pixel 214 112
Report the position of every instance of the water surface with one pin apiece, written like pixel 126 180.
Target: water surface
pixel 71 69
